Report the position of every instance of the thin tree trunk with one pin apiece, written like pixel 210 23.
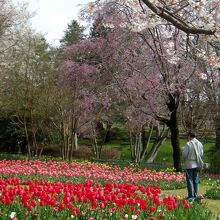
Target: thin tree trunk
pixel 131 146
pixel 74 145
pixel 35 144
pixel 95 145
pixel 27 138
pixel 66 141
pixel 68 146
pixel 140 148
pixel 75 129
pixel 155 149
pixel 108 132
pixel 217 133
pixel 62 149
pixel 76 141
pixel 71 137
pixel 67 133
pixel 145 146
pixel 135 147
pixel 41 151
pixel 74 138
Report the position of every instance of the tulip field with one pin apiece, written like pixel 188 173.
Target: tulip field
pixel 83 190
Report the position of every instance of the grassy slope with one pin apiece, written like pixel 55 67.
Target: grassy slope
pixel 165 153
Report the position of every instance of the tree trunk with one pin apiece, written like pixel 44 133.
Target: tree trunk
pixel 172 124
pixel 95 145
pixel 155 149
pixel 27 138
pixel 33 135
pixel 41 151
pixel 153 152
pixel 62 147
pixel 35 144
pixel 174 130
pixel 65 141
pixel 108 132
pixel 145 143
pixel 74 144
pixel 217 133
pixel 136 146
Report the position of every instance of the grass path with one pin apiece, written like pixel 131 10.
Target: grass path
pixel 213 205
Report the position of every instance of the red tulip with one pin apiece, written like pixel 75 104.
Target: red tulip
pixel 152 208
pixel 186 206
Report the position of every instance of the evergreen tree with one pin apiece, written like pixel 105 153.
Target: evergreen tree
pixel 73 34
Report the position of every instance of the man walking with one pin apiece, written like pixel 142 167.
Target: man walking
pixel 192 153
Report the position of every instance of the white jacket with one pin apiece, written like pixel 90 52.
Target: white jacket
pixel 189 153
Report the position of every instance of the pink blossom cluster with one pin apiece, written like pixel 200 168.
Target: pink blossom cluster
pixel 86 170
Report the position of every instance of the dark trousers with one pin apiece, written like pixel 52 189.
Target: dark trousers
pixel 193 180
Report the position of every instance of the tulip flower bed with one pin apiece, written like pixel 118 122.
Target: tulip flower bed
pixel 80 172
pixel 44 200
pixel 58 190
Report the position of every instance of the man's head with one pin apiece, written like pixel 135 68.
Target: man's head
pixel 190 135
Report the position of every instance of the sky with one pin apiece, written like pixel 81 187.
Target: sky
pixel 52 16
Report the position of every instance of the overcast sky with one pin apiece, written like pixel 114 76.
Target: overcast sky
pixel 53 16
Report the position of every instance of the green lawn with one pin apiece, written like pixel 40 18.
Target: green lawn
pixel 165 153
pixel 122 145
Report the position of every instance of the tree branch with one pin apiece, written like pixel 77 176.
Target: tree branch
pixel 162 119
pixel 175 21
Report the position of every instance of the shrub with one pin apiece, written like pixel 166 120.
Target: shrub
pixel 52 150
pixel 83 152
pixel 110 153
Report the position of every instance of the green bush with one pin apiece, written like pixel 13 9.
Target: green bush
pixel 6 156
pixel 213 193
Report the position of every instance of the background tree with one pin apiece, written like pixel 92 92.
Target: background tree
pixel 64 103
pixel 191 17
pixel 80 72
pixel 26 88
pixel 13 20
pixel 166 57
pixel 73 34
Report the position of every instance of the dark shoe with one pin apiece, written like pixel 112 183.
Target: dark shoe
pixel 191 199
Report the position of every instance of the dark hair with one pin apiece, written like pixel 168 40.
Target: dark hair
pixel 191 134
